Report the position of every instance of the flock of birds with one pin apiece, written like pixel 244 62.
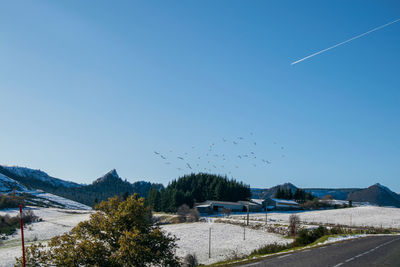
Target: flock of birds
pixel 214 159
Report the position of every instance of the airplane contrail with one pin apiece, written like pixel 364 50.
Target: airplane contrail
pixel 351 39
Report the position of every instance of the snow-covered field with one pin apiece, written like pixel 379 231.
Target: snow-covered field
pixel 55 222
pixel 226 240
pixel 358 216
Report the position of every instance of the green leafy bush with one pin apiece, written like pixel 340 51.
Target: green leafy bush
pixel 120 233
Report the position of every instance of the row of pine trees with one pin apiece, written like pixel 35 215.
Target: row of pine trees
pixel 299 195
pixel 195 188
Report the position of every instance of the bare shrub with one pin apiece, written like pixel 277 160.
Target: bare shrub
pixel 328 197
pixel 294 223
pixel 11 201
pixel 185 214
pixel 193 216
pixel 182 212
pixel 234 255
pixel 190 260
pixel 227 212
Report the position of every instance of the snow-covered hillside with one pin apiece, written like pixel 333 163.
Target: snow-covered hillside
pixel 39 175
pixel 57 201
pixel 7 185
pixel 38 197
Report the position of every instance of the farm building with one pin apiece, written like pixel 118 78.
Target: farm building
pixel 260 201
pixel 213 206
pixel 281 204
pixel 253 207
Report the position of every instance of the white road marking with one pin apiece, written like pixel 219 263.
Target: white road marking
pixel 251 264
pixel 366 252
pixel 287 255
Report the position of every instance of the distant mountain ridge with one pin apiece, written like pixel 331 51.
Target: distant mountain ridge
pixel 106 186
pixel 376 194
pixel 270 192
pixel 29 176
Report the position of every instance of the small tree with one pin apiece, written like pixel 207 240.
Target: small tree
pixel 182 212
pixel 294 222
pixel 120 233
pixel 185 214
pixel 193 216
pixel 328 197
pixel 190 260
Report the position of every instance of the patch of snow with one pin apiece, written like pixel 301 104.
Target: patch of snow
pixel 67 203
pixel 342 238
pixel 285 201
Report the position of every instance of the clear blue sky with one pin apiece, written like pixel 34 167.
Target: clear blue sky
pixel 87 86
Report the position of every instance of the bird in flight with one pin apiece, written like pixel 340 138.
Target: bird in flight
pixel 180 158
pixel 157 153
pixel 163 157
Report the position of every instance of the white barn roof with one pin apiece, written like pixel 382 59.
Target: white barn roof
pixel 285 201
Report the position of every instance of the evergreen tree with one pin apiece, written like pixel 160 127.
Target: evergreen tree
pixel 120 234
pixel 200 187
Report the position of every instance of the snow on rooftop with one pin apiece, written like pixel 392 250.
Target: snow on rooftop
pixel 285 201
pixel 258 201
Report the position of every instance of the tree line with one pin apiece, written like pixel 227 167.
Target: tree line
pixel 196 188
pixel 299 195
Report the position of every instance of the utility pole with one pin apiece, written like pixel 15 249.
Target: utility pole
pixel 209 243
pixel 22 235
pixel 248 213
pixel 266 215
pixel 351 220
pixel 244 232
pixel 294 234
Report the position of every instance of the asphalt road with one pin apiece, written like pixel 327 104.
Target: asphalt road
pixel 368 251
